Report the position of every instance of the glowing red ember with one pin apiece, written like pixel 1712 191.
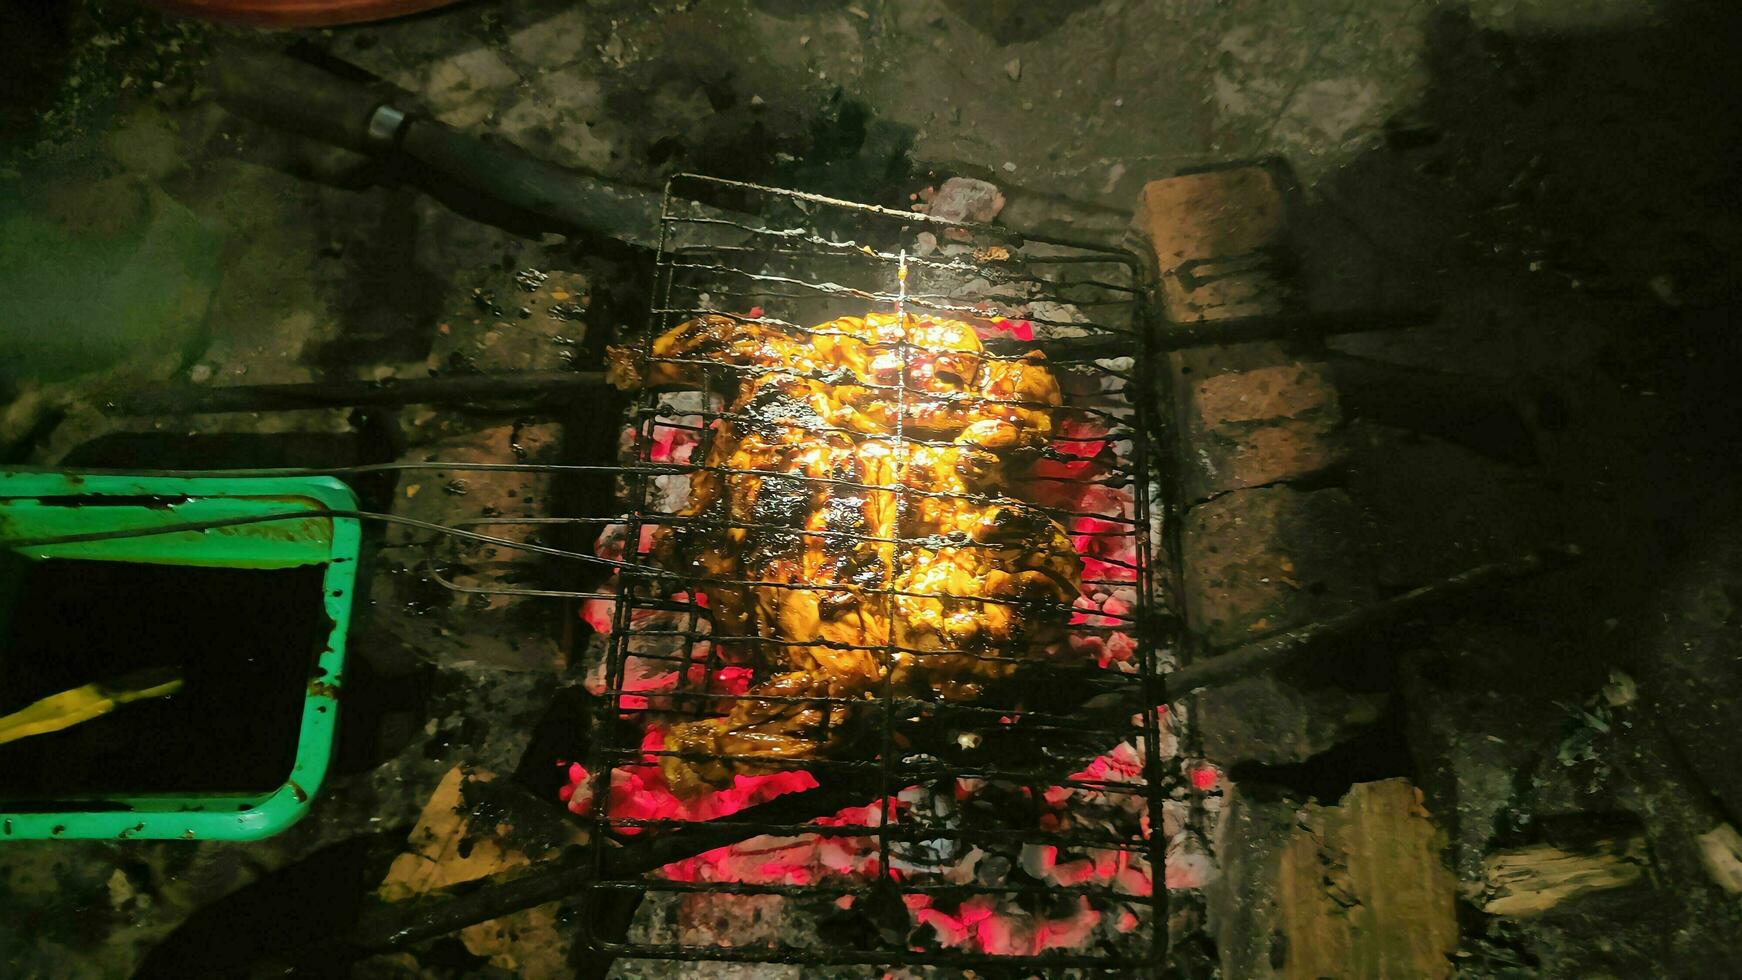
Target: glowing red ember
pixel 1018 329
pixel 1102 531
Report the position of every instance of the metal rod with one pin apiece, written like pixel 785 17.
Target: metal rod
pixel 394 925
pixel 516 387
pixel 1273 651
pixel 536 386
pixel 1282 326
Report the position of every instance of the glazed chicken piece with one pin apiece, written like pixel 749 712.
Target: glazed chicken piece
pixel 848 527
pixel 950 388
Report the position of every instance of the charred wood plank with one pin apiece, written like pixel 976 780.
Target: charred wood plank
pixel 1530 880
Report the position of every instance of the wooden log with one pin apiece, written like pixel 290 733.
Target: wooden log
pixel 1354 890
pixel 453 844
pixel 1721 854
pixel 1526 881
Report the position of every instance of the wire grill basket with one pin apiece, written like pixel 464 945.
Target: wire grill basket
pixel 1021 826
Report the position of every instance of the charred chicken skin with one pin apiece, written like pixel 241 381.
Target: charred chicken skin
pixel 848 526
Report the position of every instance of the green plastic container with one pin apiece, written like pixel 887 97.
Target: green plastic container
pixel 35 505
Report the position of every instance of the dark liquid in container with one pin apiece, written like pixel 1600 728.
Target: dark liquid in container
pixel 244 641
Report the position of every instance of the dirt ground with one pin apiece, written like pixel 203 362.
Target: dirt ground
pixel 1558 178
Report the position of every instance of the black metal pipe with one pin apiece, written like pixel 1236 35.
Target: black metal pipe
pixel 481 177
pixel 1306 325
pixel 559 199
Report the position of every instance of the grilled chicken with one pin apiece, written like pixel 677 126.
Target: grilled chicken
pixel 848 526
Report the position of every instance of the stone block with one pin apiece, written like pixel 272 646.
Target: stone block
pixel 456 80
pixel 488 626
pixel 1268 720
pixel 555 40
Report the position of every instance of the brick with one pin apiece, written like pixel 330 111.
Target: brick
pixel 1205 215
pixel 1191 367
pixel 1224 297
pixel 1196 363
pixel 1288 450
pixel 1290 391
pixel 1271 558
pixel 1217 238
pixel 1206 468
pixel 1285 452
pixel 1253 428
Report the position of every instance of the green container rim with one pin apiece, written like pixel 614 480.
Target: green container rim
pixel 290 542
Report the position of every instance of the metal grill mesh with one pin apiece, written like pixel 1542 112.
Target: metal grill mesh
pixel 1020 828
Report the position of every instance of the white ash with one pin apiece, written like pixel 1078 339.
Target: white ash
pixel 669 493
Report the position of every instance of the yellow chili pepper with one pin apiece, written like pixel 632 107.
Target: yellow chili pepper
pixel 81 704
